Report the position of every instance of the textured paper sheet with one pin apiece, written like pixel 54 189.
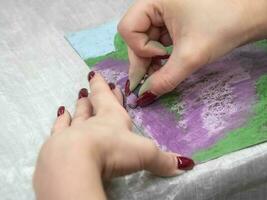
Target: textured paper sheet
pixel 220 109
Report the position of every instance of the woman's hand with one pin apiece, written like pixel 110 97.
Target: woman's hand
pixel 97 143
pixel 200 32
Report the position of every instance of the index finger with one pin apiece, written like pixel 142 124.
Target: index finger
pixel 135 25
pixel 102 98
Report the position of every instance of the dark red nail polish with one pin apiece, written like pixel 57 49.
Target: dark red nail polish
pixel 146 99
pixel 111 86
pixel 123 100
pixel 185 163
pixel 83 93
pixel 60 111
pixel 162 57
pixel 91 75
pixel 127 88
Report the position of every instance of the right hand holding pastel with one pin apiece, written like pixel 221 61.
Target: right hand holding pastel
pixel 200 32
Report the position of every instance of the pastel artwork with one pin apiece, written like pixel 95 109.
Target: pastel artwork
pixel 219 109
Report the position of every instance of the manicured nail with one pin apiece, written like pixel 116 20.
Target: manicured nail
pixel 146 99
pixel 111 86
pixel 127 88
pixel 124 100
pixel 60 111
pixel 91 75
pixel 185 163
pixel 162 57
pixel 83 93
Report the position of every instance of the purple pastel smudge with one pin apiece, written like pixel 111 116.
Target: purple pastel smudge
pixel 215 100
pixel 113 71
pixel 131 101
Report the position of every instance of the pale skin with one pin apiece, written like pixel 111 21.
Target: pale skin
pixel 200 32
pixel 97 143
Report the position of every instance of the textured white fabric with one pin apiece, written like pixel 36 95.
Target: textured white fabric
pixel 40 71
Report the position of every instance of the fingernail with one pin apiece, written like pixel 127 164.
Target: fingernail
pixel 91 75
pixel 60 111
pixel 162 57
pixel 185 163
pixel 124 100
pixel 146 99
pixel 83 93
pixel 127 88
pixel 111 86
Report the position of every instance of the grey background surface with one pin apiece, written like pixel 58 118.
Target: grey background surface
pixel 40 71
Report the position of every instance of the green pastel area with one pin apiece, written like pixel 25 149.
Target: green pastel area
pixel 262 44
pixel 253 132
pixel 120 52
pixel 171 101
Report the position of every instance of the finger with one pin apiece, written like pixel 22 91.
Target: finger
pixel 156 161
pixel 137 69
pixel 117 92
pixel 101 96
pixel 139 65
pixel 63 120
pixel 83 107
pixel 142 16
pixel 180 65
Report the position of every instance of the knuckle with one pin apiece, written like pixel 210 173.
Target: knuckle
pixel 168 83
pixel 154 152
pixel 139 49
pixel 165 83
pixel 80 117
pixel 98 96
pixel 122 28
pixel 154 149
pixel 118 115
pixel 107 109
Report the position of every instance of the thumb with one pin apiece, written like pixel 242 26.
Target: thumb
pixel 181 64
pixel 159 162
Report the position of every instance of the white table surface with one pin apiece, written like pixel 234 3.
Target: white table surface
pixel 40 71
